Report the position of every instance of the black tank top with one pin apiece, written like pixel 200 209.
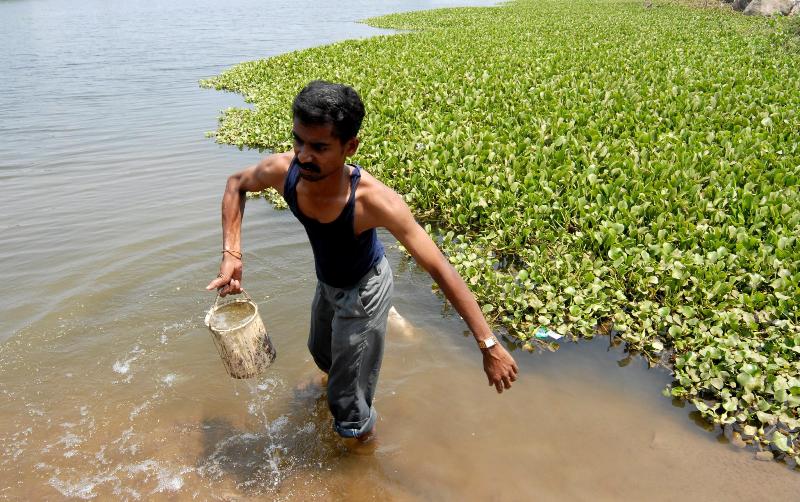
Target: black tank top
pixel 341 258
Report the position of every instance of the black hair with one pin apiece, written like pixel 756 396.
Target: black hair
pixel 323 102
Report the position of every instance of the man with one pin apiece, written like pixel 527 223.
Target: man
pixel 340 206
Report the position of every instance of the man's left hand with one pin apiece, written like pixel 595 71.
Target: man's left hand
pixel 500 367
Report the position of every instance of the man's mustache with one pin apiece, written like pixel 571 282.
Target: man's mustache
pixel 308 166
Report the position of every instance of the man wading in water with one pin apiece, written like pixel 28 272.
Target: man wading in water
pixel 341 205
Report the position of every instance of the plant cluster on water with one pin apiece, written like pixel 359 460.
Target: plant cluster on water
pixel 592 162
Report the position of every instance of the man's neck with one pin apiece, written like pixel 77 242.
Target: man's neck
pixel 331 186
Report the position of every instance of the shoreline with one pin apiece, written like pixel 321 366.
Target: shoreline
pixel 551 178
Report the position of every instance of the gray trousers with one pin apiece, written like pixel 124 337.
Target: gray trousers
pixel 348 328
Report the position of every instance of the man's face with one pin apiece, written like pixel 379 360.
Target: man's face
pixel 319 152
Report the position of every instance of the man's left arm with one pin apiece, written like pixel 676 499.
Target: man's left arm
pixel 393 214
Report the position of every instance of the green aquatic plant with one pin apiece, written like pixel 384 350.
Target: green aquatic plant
pixel 592 163
pixel 793 26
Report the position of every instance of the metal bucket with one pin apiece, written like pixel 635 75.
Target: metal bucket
pixel 240 336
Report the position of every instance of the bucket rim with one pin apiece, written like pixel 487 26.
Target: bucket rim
pixel 214 308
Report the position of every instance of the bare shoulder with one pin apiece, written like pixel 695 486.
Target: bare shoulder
pixel 276 164
pixel 277 161
pixel 375 196
pixel 377 205
pixel 270 171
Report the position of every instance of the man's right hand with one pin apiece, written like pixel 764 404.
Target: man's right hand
pixel 229 280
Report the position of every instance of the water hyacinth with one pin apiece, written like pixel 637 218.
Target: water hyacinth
pixel 592 163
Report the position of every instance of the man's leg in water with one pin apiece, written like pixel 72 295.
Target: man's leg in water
pixel 348 345
pixel 319 337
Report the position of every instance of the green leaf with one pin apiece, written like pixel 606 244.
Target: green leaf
pixel 781 441
pixel 765 418
pixel 746 380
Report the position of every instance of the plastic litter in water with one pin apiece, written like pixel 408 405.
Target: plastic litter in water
pixel 542 332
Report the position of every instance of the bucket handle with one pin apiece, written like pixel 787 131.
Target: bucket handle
pixel 216 302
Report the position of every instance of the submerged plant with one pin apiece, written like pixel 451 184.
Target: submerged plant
pixel 592 162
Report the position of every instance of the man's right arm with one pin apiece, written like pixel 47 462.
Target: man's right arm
pixel 269 173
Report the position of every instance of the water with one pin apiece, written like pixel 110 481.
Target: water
pixel 232 315
pixel 111 386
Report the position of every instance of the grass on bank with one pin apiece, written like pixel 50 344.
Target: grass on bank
pixel 592 162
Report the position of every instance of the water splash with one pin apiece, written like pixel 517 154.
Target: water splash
pixel 82 489
pixel 123 367
pixel 169 379
pixel 168 478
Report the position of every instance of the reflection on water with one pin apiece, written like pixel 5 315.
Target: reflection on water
pixel 111 386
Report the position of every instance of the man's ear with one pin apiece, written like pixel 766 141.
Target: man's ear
pixel 351 146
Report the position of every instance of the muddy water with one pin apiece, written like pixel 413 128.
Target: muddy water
pixel 232 315
pixel 110 385
pixel 126 397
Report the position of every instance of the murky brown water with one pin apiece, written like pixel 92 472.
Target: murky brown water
pixel 111 386
pixel 126 397
pixel 232 315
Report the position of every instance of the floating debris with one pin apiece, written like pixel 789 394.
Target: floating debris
pixel 543 332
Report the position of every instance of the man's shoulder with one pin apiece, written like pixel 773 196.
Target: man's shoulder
pixel 378 205
pixel 373 192
pixel 273 168
pixel 277 162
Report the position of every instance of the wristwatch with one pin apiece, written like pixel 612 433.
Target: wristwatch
pixel 487 342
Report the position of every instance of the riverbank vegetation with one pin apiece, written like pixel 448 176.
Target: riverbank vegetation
pixel 593 164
